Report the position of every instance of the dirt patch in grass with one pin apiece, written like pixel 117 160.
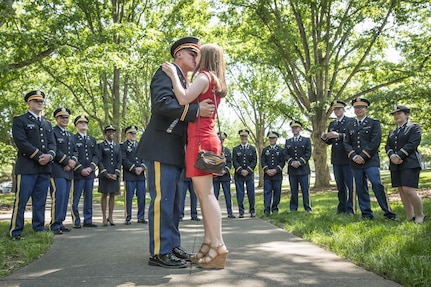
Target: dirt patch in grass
pixel 6 208
pixel 423 193
pixel 395 196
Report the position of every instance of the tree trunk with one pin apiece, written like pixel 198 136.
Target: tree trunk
pixel 116 104
pixel 322 176
pixel 260 144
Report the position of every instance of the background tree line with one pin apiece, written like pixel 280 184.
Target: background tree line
pixel 286 60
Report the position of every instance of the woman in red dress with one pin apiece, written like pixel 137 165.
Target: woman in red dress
pixel 209 84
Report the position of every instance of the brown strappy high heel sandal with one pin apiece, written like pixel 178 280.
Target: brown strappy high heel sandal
pixel 214 262
pixel 205 248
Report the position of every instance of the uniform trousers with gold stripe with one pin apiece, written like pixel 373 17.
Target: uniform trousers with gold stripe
pixel 164 209
pixel 34 186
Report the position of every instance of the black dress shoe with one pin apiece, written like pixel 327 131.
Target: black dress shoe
pixel 16 238
pixel 253 214
pixel 231 216
pixel 167 261
pixel 196 219
pixel 143 221
pixel 181 253
pixel 127 222
pixel 57 232
pixel 77 226
pixel 65 229
pixel 241 216
pixel 89 225
pixel 391 217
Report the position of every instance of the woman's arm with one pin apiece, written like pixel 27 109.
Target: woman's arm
pixel 185 96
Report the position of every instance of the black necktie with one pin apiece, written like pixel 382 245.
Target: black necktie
pixel 38 119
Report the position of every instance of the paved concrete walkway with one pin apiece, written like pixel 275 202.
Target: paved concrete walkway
pixel 260 255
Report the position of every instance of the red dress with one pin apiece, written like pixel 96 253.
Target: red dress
pixel 207 133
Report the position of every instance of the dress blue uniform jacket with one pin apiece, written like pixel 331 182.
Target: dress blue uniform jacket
pixel 404 143
pixel 165 136
pixel 272 158
pixel 32 138
pixel 298 151
pixel 338 153
pixel 228 166
pixel 244 159
pixel 87 155
pixel 363 140
pixel 66 150
pixel 130 162
pixel 109 159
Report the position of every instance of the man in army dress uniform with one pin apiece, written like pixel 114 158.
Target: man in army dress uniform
pixel 297 152
pixel 35 142
pixel 224 178
pixel 244 159
pixel 62 171
pixel 84 173
pixel 272 162
pixel 133 175
pixel 162 146
pixel 363 138
pixel 340 163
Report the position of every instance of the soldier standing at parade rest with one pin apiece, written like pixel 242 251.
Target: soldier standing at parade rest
pixel 405 162
pixel 35 142
pixel 162 146
pixel 244 159
pixel 83 181
pixel 363 138
pixel 109 173
pixel 224 178
pixel 62 171
pixel 272 162
pixel 133 176
pixel 340 163
pixel 297 152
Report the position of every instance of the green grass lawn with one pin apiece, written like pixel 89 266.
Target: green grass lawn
pixel 400 251
pixel 16 254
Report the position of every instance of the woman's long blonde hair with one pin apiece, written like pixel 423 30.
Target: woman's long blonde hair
pixel 212 60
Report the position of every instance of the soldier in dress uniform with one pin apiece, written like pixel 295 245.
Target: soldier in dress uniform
pixel 272 162
pixel 36 146
pixel 405 162
pixel 84 173
pixel 244 159
pixel 340 163
pixel 62 171
pixel 185 184
pixel 297 152
pixel 133 176
pixel 109 173
pixel 363 138
pixel 224 178
pixel 162 146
